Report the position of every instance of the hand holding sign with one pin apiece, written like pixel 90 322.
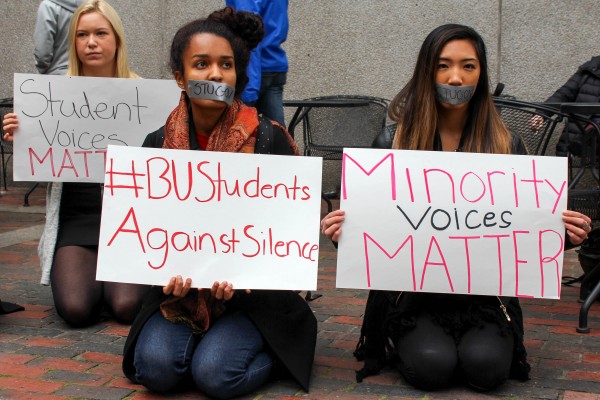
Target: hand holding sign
pixel 222 290
pixel 578 226
pixel 331 225
pixel 10 123
pixel 219 290
pixel 177 287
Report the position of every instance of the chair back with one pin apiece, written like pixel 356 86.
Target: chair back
pixel 540 126
pixel 327 130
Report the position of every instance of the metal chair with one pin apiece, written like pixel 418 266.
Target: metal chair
pixel 584 180
pixel 519 116
pixel 584 196
pixel 330 123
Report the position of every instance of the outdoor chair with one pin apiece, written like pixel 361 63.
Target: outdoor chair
pixel 517 116
pixel 584 181
pixel 331 123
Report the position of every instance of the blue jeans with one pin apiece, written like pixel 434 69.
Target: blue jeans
pixel 229 361
pixel 270 98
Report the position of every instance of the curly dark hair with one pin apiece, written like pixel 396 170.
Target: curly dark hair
pixel 243 30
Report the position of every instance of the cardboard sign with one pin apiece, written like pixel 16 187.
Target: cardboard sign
pixel 452 222
pixel 249 219
pixel 66 123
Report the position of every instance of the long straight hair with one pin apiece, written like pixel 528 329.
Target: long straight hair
pixel 416 110
pixel 121 61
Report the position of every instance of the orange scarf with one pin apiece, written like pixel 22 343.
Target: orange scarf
pixel 233 133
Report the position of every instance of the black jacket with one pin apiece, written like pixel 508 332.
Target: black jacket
pixel 582 87
pixel 283 318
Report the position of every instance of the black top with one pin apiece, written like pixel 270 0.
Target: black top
pixel 79 216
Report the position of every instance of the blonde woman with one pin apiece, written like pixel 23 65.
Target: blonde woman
pixel 68 248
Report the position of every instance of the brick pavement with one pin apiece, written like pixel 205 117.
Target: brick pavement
pixel 41 358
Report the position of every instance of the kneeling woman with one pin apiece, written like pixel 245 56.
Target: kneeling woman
pixel 439 339
pixel 228 343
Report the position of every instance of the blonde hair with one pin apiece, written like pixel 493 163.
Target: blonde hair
pixel 121 61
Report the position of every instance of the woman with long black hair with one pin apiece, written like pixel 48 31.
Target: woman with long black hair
pixel 437 339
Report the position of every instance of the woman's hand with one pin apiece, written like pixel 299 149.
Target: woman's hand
pixel 578 226
pixel 177 287
pixel 331 224
pixel 222 290
pixel 10 123
pixel 536 123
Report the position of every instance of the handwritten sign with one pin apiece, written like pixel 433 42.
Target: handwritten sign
pixel 452 222
pixel 66 123
pixel 249 219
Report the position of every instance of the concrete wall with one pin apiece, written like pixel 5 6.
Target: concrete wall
pixel 357 46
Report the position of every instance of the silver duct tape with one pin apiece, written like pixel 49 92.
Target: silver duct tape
pixel 211 90
pixel 453 94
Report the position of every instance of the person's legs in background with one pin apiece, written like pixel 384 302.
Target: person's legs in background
pixel 76 292
pixel 124 300
pixel 270 100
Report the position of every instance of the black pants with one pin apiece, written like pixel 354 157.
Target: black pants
pixel 432 359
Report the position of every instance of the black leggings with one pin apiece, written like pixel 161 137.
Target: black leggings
pixel 79 297
pixel 431 359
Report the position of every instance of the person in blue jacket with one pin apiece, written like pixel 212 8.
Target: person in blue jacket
pixel 267 71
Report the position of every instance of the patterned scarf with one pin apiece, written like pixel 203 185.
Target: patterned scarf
pixel 233 133
pixel 197 310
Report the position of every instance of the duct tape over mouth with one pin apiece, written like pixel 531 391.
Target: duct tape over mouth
pixel 211 90
pixel 453 94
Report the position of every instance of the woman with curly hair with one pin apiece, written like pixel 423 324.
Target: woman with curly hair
pixel 227 342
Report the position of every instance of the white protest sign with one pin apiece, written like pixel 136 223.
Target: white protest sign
pixel 249 219
pixel 66 123
pixel 451 222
